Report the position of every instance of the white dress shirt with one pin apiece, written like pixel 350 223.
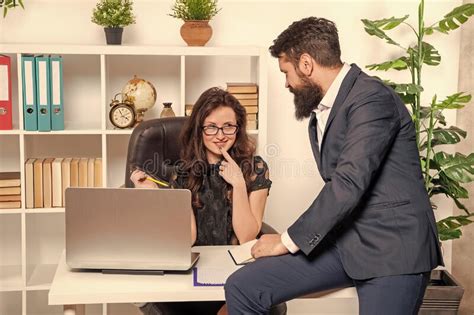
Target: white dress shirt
pixel 322 114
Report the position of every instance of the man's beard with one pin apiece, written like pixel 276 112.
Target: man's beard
pixel 306 98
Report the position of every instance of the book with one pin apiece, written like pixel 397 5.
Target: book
pixel 245 96
pixel 251 116
pixel 9 179
pixel 252 125
pixel 251 109
pixel 38 183
pixel 43 96
pixel 248 102
pixel 57 98
pixel 98 172
pixel 90 172
pixel 10 198
pixel 28 76
pixel 29 184
pixel 241 254
pixel 47 183
pixel 74 178
pixel 83 172
pixel 65 177
pixel 57 184
pixel 10 191
pixel 241 88
pixel 10 204
pixel 6 122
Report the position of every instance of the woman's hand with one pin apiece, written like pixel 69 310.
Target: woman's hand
pixel 230 171
pixel 138 178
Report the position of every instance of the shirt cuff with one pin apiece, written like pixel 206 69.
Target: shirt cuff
pixel 288 242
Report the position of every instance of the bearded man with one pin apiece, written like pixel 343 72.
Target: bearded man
pixel 372 225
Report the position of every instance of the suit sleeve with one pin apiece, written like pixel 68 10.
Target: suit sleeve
pixel 372 126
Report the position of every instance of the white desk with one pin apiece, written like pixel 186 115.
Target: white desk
pixel 82 287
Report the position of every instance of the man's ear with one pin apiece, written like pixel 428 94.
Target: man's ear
pixel 305 64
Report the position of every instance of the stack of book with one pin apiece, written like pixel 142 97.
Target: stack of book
pixel 247 94
pixel 10 190
pixel 47 179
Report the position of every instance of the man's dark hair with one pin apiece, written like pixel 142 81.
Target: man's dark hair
pixel 314 36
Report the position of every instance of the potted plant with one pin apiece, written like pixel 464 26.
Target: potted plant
pixel 443 173
pixel 113 15
pixel 196 14
pixel 10 4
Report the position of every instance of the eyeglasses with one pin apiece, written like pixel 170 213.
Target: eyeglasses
pixel 227 130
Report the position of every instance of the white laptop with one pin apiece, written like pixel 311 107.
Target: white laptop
pixel 126 229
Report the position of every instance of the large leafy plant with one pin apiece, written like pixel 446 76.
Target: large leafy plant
pixel 113 13
pixel 189 10
pixel 444 173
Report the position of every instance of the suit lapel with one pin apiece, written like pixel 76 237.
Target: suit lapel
pixel 346 87
pixel 313 138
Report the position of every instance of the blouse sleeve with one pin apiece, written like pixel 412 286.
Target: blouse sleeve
pixel 261 177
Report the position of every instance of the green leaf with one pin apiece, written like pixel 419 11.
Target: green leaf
pixel 396 64
pixel 449 187
pixel 455 101
pixel 458 167
pixel 431 55
pixel 450 227
pixel 374 28
pixel 453 19
pixel 451 135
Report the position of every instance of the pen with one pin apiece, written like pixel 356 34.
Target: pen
pixel 157 181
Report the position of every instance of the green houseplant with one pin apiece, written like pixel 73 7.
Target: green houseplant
pixel 10 4
pixel 196 15
pixel 113 15
pixel 443 173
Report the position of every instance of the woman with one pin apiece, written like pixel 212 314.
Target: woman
pixel 229 184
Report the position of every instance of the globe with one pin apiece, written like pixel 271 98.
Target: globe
pixel 141 93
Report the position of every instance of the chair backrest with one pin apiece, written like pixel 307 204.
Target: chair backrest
pixel 154 147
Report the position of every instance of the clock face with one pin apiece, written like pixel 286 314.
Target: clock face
pixel 122 116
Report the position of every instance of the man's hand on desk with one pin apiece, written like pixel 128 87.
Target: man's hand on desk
pixel 269 245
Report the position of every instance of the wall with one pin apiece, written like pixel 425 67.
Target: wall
pixel 463 249
pixel 293 171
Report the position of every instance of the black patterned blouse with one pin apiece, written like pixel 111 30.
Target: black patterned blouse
pixel 214 218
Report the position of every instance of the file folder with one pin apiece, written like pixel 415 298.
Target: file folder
pixel 5 93
pixel 57 98
pixel 43 96
pixel 28 73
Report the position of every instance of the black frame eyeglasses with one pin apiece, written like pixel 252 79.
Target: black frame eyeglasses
pixel 212 130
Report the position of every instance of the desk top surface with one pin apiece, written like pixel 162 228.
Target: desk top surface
pixel 91 287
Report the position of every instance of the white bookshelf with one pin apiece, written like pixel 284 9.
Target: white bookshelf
pixel 31 240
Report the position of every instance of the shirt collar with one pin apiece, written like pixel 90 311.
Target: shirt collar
pixel 331 94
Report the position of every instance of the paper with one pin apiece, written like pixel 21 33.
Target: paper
pixel 209 276
pixel 241 254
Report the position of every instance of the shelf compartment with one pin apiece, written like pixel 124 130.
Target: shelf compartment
pixel 163 72
pixel 37 304
pixel 10 303
pixel 37 146
pixel 44 245
pixel 117 147
pixel 9 153
pixel 10 249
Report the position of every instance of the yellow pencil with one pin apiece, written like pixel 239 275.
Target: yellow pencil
pixel 157 181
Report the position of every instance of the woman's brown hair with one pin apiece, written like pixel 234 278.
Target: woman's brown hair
pixel 193 155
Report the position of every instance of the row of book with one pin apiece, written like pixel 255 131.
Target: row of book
pixel 10 190
pixel 43 99
pixel 46 180
pixel 247 94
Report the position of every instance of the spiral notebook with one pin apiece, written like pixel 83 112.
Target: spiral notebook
pixel 210 277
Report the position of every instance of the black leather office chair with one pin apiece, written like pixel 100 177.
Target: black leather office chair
pixel 154 146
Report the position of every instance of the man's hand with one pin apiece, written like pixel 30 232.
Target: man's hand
pixel 269 245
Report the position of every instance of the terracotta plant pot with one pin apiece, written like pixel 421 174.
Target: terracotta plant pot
pixel 196 33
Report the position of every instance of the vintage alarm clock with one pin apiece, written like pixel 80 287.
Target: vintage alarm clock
pixel 122 114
